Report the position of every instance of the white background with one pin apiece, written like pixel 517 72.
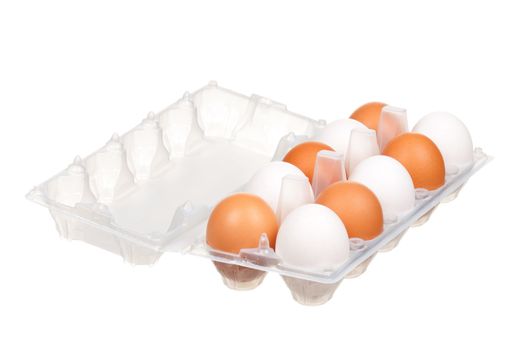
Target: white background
pixel 72 74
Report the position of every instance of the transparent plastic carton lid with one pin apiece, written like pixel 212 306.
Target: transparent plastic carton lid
pixel 152 189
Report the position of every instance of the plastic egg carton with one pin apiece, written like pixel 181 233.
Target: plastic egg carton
pixel 151 190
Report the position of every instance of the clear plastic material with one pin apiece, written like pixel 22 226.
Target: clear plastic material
pixel 329 168
pixel 239 277
pixel 362 144
pixel 246 278
pixel 393 243
pixel 151 190
pixel 295 191
pixel 309 292
pixel 392 122
pixel 361 268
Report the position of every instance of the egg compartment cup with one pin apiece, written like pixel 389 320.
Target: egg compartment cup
pixel 152 189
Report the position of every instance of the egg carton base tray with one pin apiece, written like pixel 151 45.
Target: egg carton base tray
pixel 393 232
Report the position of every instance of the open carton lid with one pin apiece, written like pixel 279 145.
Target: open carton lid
pixel 158 181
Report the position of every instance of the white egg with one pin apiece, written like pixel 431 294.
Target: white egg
pixel 390 181
pixel 312 237
pixel 451 136
pixel 267 182
pixel 337 134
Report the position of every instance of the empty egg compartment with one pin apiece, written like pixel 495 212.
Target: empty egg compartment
pixel 149 188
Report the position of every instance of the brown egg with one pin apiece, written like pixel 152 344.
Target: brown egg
pixel 357 207
pixel 369 114
pixel 304 156
pixel 238 221
pixel 421 157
